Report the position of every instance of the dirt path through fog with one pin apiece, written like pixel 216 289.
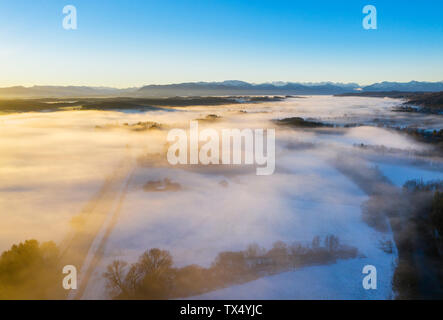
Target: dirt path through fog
pixel 84 245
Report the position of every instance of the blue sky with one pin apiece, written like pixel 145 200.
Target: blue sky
pixel 132 43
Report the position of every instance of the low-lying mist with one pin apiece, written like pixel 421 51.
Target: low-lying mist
pixel 62 172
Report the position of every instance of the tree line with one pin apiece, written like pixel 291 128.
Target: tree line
pixel 154 277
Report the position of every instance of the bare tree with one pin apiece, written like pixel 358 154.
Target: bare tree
pixel 115 276
pixel 332 243
pixel 155 262
pixel 316 242
pixel 254 251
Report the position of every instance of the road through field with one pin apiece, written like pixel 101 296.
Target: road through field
pixel 84 246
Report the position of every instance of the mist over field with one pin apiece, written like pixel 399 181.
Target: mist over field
pixel 87 181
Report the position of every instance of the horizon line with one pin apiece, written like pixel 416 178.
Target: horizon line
pixel 272 82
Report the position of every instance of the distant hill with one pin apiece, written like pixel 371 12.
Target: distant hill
pixel 123 103
pixel 234 87
pixel 413 86
pixel 432 101
pixel 428 101
pixel 63 91
pixel 229 87
pixel 381 94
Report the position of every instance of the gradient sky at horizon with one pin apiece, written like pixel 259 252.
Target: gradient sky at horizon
pixel 133 43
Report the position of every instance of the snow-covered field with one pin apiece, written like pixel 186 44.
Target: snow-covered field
pixel 55 163
pixel 340 281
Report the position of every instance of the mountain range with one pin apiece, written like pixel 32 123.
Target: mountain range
pixel 229 87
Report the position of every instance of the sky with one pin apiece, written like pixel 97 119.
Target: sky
pixel 133 43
